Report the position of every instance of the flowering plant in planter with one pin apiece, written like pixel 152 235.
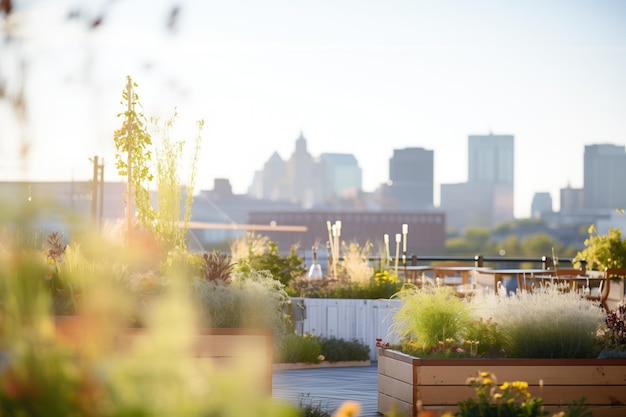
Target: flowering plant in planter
pixel 612 336
pixel 509 399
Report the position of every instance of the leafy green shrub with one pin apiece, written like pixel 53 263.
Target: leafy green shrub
pixel 603 251
pixel 338 350
pixel 315 349
pixel 296 349
pixel 254 252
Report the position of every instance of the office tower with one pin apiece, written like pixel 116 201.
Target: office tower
pixel 541 205
pixel 571 199
pixel 340 176
pixel 604 173
pixel 412 179
pixel 486 200
pixel 491 158
pixel 299 172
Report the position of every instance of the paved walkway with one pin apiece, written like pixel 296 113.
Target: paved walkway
pixel 329 387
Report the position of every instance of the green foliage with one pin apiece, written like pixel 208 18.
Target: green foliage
pixel 545 323
pixel 133 154
pixel 252 299
pixel 48 372
pixel 381 286
pixel 509 399
pixel 460 246
pixel 179 263
pixel 283 268
pixel 478 235
pixel 338 350
pixel 613 333
pixel 315 349
pixel 480 241
pixel 310 408
pixel 603 251
pixel 539 243
pixel 484 337
pixel 300 349
pixel 505 400
pixel 167 225
pixel 429 315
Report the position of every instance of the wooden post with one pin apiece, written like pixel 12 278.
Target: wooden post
pixel 94 192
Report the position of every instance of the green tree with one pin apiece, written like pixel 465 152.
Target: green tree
pixel 603 251
pixel 539 244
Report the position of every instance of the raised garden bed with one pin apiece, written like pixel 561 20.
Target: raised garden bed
pixel 439 384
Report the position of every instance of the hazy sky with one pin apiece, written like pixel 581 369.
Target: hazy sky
pixel 361 77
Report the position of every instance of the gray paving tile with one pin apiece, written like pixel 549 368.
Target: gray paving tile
pixel 329 387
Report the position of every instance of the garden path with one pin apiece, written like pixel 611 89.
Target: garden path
pixel 329 387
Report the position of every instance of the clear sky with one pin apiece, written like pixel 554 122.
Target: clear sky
pixel 362 77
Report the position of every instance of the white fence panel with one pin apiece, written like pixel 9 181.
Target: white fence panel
pixel 362 320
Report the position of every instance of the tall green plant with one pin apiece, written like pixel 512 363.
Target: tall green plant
pixel 429 315
pixel 133 155
pixel 167 226
pixel 134 159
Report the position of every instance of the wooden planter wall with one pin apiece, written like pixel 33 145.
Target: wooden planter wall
pixel 229 347
pixel 439 384
pixel 223 347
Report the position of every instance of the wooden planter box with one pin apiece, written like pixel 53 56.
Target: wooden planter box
pixel 228 347
pixel 439 384
pixel 223 347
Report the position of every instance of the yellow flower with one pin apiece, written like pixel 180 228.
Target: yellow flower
pixel 484 374
pixel 504 386
pixel 348 409
pixel 487 381
pixel 520 385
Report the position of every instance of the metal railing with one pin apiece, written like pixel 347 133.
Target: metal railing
pixel 543 262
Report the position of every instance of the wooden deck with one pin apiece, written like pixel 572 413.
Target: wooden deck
pixel 329 387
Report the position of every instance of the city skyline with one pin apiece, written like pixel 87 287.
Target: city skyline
pixel 363 78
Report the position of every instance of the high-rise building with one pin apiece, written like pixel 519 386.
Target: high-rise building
pixel 491 158
pixel 299 173
pixel 541 205
pixel 308 181
pixel 571 199
pixel 411 174
pixel 340 176
pixel 486 199
pixel 604 172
